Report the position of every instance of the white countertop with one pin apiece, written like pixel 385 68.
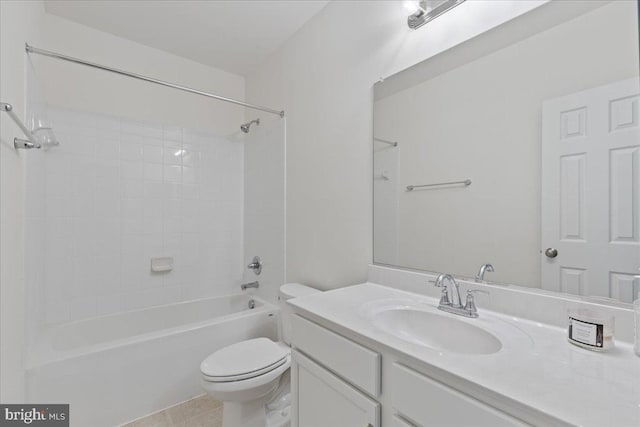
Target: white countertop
pixel 535 367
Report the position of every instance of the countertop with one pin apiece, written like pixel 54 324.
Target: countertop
pixel 536 366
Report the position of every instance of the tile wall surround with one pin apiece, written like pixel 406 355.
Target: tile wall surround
pixel 116 193
pixel 518 301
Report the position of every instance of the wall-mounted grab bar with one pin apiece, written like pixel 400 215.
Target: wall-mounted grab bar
pixel 18 142
pixel 466 182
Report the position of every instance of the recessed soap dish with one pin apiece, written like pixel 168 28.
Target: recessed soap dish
pixel 161 264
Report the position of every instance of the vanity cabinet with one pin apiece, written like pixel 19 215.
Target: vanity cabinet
pixel 431 403
pixel 397 421
pixel 355 363
pixel 335 381
pixel 338 382
pixel 321 399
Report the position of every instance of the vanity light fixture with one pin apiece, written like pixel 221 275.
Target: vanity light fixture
pixel 423 11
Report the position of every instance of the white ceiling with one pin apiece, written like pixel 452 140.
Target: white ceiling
pixel 235 36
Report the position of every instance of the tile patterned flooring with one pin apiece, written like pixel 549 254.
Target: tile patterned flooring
pixel 201 411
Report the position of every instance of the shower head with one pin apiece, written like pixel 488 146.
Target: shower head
pixel 245 127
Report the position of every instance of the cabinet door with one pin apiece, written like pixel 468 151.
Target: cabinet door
pixel 430 403
pixel 398 421
pixel 320 399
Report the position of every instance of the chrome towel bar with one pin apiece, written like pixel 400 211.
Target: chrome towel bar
pixel 384 141
pixel 466 182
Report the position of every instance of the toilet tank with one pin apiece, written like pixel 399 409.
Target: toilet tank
pixel 288 291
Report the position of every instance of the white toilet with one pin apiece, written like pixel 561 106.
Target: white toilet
pixel 252 377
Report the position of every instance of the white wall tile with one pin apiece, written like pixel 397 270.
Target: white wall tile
pixel 118 193
pixel 153 172
pixel 131 189
pixel 154 189
pixel 141 129
pixel 190 158
pixel 189 175
pixel 131 170
pixel 130 150
pixel 172 173
pixel 172 133
pixel 108 148
pixel 152 153
pixel 172 156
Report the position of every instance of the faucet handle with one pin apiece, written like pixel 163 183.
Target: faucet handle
pixel 470 304
pixel 255 265
pixel 444 298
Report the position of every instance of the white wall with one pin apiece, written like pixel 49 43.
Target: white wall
pixel 482 121
pixel 74 86
pixel 323 78
pixel 19 21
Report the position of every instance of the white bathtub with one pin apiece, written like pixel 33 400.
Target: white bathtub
pixel 117 368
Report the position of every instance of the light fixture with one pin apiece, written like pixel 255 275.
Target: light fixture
pixel 411 6
pixel 423 11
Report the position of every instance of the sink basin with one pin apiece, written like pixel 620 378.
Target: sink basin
pixel 437 331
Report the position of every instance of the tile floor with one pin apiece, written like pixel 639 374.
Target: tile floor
pixel 201 411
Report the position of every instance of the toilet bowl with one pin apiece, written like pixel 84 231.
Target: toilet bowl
pixel 251 377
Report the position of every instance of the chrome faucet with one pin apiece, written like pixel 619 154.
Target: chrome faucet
pixel 483 269
pixel 445 300
pixel 246 286
pixel 255 265
pixel 456 307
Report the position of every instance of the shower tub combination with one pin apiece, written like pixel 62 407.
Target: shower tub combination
pixel 121 367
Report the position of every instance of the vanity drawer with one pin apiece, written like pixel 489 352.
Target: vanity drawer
pixel 353 362
pixel 400 422
pixel 428 402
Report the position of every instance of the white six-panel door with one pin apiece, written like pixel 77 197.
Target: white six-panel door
pixel 590 192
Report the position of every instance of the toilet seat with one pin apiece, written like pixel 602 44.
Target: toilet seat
pixel 248 389
pixel 244 360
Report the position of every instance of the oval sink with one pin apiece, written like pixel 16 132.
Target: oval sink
pixel 436 331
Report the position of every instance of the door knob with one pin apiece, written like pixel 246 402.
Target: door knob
pixel 551 252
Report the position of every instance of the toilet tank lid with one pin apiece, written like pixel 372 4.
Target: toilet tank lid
pixel 294 290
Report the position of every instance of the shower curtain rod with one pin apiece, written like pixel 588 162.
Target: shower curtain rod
pixel 31 49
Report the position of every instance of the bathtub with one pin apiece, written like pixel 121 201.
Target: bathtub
pixel 117 368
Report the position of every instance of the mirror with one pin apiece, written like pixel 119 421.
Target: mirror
pixel 519 148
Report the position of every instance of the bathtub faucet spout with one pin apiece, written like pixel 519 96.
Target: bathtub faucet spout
pixel 246 286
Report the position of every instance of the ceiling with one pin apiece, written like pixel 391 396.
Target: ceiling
pixel 234 36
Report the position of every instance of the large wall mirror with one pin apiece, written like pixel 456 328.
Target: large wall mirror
pixel 519 148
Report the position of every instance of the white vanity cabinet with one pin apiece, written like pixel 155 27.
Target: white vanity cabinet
pixel 322 399
pixel 337 382
pixel 430 403
pixel 334 380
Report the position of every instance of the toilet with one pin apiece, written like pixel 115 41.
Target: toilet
pixel 251 377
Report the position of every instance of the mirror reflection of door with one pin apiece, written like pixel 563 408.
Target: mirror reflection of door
pixel 591 192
